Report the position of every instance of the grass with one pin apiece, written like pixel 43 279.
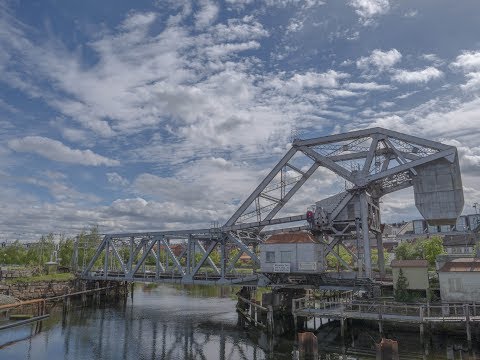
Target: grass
pixel 39 278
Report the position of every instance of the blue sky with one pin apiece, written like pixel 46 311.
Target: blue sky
pixel 166 114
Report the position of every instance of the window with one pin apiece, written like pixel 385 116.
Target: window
pixel 270 256
pixel 285 256
pixel 455 285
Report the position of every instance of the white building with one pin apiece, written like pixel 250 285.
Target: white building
pixel 460 280
pixel 296 252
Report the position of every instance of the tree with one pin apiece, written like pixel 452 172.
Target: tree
pixel 427 249
pixel 432 248
pixel 401 291
pixel 65 251
pixel 14 254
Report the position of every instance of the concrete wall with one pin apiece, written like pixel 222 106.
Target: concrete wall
pixel 459 286
pixel 25 291
pixel 417 277
pixel 301 254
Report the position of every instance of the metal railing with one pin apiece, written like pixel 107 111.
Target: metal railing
pixel 417 312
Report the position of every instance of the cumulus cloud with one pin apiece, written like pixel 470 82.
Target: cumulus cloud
pixel 380 60
pixel 57 151
pixel 419 76
pixel 468 61
pixel 473 82
pixel 369 9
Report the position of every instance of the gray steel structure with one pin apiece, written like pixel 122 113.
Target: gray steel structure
pixel 373 162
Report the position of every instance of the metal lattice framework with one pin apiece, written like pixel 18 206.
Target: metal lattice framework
pixel 373 162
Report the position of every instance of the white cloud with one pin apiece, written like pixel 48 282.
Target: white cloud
pixel 410 13
pixel 468 61
pixel 139 21
pixel 433 58
pixel 381 60
pixel 239 30
pixel 369 86
pixel 117 180
pixel 57 151
pixel 473 82
pixel 207 14
pixel 74 135
pixel 219 51
pixel 369 9
pixel 419 76
pixel 297 83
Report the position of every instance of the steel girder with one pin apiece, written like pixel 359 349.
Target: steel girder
pixel 373 161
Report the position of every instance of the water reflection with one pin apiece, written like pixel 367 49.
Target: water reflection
pixel 158 323
pixel 168 322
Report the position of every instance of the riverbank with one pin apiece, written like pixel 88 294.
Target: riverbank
pixel 41 286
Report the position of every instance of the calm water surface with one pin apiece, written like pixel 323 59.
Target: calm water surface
pixel 168 322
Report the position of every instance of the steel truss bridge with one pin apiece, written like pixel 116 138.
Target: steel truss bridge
pixel 373 162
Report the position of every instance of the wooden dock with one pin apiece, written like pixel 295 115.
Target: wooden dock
pixel 422 314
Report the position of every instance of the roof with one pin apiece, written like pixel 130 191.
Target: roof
pixel 390 245
pixel 462 265
pixel 459 240
pixel 291 238
pixel 245 257
pixel 409 263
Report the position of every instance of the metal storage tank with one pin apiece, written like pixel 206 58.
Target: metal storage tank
pixel 438 191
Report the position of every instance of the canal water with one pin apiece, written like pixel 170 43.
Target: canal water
pixel 173 322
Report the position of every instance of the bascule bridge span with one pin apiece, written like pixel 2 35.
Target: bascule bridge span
pixel 373 162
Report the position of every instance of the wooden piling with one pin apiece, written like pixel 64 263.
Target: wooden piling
pixel 467 325
pixel 387 349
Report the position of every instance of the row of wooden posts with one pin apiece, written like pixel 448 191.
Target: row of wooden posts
pixel 41 303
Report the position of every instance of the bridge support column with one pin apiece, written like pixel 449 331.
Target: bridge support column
pixel 365 235
pixel 381 256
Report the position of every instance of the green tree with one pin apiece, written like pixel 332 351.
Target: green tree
pixel 65 251
pixel 14 254
pixel 427 249
pixel 408 251
pixel 401 291
pixel 432 248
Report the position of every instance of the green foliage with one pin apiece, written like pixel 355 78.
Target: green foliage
pixel 401 291
pixel 427 249
pixel 374 257
pixel 334 263
pixel 65 251
pixel 13 254
pixel 432 248
pixel 39 253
